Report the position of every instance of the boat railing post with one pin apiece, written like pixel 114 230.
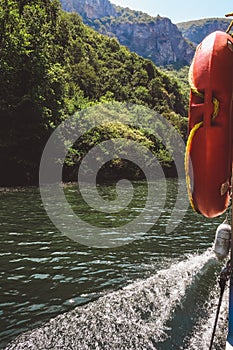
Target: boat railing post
pixel 229 344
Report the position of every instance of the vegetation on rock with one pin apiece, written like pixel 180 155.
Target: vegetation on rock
pixel 156 38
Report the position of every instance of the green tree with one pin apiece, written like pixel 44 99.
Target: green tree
pixel 52 65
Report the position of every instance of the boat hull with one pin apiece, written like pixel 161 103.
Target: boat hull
pixel 229 344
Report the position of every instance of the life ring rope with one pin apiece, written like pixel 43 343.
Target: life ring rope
pixel 230 25
pixel 187 161
pixel 193 132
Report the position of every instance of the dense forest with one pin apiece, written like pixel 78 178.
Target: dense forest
pixel 52 65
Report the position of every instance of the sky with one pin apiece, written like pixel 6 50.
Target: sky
pixel 180 10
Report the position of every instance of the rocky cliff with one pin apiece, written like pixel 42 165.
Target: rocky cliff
pixel 196 31
pixel 156 38
pixel 90 8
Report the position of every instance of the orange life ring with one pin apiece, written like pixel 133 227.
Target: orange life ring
pixel 209 147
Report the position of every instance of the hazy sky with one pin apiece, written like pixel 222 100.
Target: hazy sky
pixel 180 10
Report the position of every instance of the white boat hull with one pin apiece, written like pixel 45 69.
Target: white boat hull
pixel 229 346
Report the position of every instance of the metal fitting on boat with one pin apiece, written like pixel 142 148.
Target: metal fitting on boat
pixel 222 241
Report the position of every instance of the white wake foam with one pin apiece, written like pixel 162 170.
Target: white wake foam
pixel 132 318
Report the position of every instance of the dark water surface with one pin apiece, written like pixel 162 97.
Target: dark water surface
pixel 158 292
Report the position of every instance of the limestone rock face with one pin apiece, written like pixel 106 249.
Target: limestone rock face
pixel 89 8
pixel 196 31
pixel 159 40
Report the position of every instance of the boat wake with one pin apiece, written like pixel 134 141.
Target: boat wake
pixel 139 316
pixel 201 337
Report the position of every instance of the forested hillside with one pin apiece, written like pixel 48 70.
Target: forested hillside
pixel 53 65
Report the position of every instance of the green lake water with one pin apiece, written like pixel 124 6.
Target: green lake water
pixel 157 292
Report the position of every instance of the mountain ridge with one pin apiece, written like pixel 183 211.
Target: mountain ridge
pixel 156 38
pixel 196 30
